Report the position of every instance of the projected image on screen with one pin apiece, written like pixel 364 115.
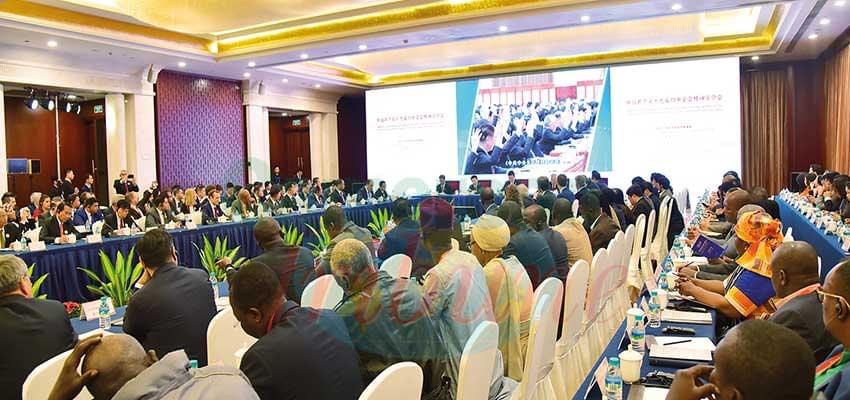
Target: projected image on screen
pixel 541 122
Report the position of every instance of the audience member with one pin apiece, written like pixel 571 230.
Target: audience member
pixel 135 211
pixel 529 247
pixel 522 191
pixel 545 197
pixel 404 238
pixel 340 229
pixel 211 210
pixel 600 227
pixel 488 201
pixel 160 214
pixel 59 229
pixel 273 204
pixel 244 206
pixel 337 192
pixel 88 185
pixel 578 243
pixel 118 221
pixel 832 377
pixel 315 199
pixel 88 214
pixel 67 187
pixel 366 192
pixel 535 217
pixel 10 231
pixel 381 194
pixel 564 191
pixel 125 183
pixel 42 212
pixel 288 201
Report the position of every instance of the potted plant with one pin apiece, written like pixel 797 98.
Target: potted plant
pixel 120 277
pixel 291 236
pixel 322 236
pixel 379 222
pixel 212 254
pixel 36 286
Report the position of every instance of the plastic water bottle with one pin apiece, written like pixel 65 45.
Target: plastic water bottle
pixel 638 335
pixel 214 283
pixel 613 380
pixel 662 282
pixel 103 313
pixel 654 310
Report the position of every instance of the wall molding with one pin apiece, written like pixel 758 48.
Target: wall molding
pixel 22 73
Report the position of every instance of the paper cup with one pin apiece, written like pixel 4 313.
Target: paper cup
pixel 630 363
pixel 630 319
pixel 662 298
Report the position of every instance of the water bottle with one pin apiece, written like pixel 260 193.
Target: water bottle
pixel 193 364
pixel 662 282
pixel 638 335
pixel 88 225
pixel 613 380
pixel 654 310
pixel 214 283
pixel 103 313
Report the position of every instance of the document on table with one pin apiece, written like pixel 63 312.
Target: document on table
pixel 686 317
pixel 698 343
pixel 679 353
pixel 640 392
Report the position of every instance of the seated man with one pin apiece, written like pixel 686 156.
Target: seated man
pixel 288 201
pixel 315 199
pixel 59 228
pixel 535 217
pixel 210 208
pixel 366 192
pixel 302 353
pixel 509 286
pixel 404 238
pixel 118 220
pixel 273 202
pixel 336 194
pixel 796 282
pixel 578 243
pixel 34 330
pixel 10 230
pixel 488 202
pixel 175 305
pixel 340 229
pixel 756 360
pixel 545 198
pixel 443 187
pixel 529 247
pixel 474 187
pixel 116 367
pixel 564 191
pixel 832 377
pixel 600 228
pixel 400 326
pixel 381 194
pixel 160 214
pixel 88 214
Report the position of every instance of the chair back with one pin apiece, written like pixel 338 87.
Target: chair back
pixel 628 245
pixel 541 347
pixel 650 232
pixel 398 266
pixel 664 241
pixel 40 381
pixel 661 226
pixel 789 236
pixel 402 381
pixel 683 200
pixel 640 228
pixel 323 292
pixel 596 286
pixel 477 361
pixel 574 299
pixel 555 289
pixel 226 341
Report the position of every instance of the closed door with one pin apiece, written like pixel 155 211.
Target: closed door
pixel 289 145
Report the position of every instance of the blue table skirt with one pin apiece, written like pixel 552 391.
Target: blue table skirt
pixel 827 246
pixel 461 200
pixel 66 283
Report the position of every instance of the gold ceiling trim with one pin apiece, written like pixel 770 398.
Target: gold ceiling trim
pixel 352 75
pixel 102 26
pixel 394 19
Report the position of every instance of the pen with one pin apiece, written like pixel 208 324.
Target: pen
pixel 678 342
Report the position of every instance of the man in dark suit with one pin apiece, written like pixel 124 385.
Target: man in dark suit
pixel 315 199
pixel 488 202
pixel 175 305
pixel 474 187
pixel 404 238
pixel 88 186
pixel 276 178
pixel 564 191
pixel 289 201
pixel 510 181
pixel 796 282
pixel 583 185
pixel 160 214
pixel 89 213
pixel 535 217
pixel 119 220
pixel 381 194
pixel 59 228
pixel 10 232
pixel 125 183
pixel 528 246
pixel 210 209
pixel 302 353
pixel 600 227
pixel 596 178
pixel 545 197
pixel 832 378
pixel 640 204
pixel 67 186
pixel 485 158
pixel 442 187
pixel 34 330
pixel 337 192
pixel 273 201
pixel 366 192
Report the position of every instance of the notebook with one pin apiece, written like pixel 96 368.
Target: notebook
pixel 686 317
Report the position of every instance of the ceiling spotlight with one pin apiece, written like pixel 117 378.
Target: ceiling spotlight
pixel 251 64
pixel 840 3
pixel 304 56
pixel 503 28
pixel 585 18
pixel 284 80
pixel 283 114
pixel 676 7
pixel 317 86
pixel 246 75
pixel 181 64
pixel 52 43
pixel 68 106
pixel 813 36
pixel 47 103
pixel 824 21
pixel 754 58
pixel 31 102
pixel 362 47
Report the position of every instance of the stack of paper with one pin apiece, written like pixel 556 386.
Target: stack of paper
pixel 679 353
pixel 690 342
pixel 686 317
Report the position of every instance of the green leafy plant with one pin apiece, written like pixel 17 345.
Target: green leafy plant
pixel 416 213
pixel 36 286
pixel 379 222
pixel 291 236
pixel 322 236
pixel 211 254
pixel 120 277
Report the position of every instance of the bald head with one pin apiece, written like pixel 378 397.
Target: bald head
pixel 511 212
pixel 487 196
pixel 267 232
pixel 795 266
pixel 117 360
pixel 535 217
pixel 562 209
pixel 734 201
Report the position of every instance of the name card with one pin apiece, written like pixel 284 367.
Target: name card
pixel 90 311
pixel 600 375
pixel 94 238
pixel 37 246
pixel 191 224
pixel 644 305
pixel 236 218
pixel 651 284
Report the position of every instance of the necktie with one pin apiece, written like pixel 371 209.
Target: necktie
pixel 120 223
pixel 2 238
pixel 126 188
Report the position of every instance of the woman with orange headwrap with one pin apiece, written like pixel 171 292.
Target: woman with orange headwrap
pixel 747 291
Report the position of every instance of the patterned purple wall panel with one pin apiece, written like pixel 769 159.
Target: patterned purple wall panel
pixel 201 130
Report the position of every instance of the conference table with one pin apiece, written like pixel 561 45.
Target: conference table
pixel 827 246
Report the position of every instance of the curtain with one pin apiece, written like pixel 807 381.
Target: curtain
pixel 837 111
pixel 764 116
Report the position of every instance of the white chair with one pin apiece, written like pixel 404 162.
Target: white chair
pixel 575 208
pixel 477 361
pixel 555 289
pixel 226 341
pixel 227 211
pixel 402 381
pixel 535 384
pixel 789 236
pixel 660 231
pixel 683 201
pixel 645 262
pixel 634 279
pixel 398 266
pixel 40 381
pixel 593 340
pixel 323 292
pixel 455 244
pixel 567 374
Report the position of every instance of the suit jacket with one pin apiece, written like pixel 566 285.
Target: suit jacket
pixel 315 200
pixel 602 233
pixel 53 229
pixel 81 217
pixel 11 233
pixel 86 188
pixel 804 315
pixel 292 264
pixel 67 189
pixel 172 311
pixel 153 218
pixel 238 208
pixel 444 188
pixel 566 193
pixel 124 187
pixel 481 162
pixel 403 239
pixel 532 251
pixel 272 206
pixel 35 330
pixel 558 247
pixel 364 194
pixel 838 387
pixel 382 194
pixel 289 202
pixel 546 200
pixel 110 224
pixel 308 354
pixel 210 214
pixel 136 213
pixel 336 196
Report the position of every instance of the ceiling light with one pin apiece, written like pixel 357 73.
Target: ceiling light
pixel 317 86
pixel 503 28
pixel 840 3
pixel 47 103
pixel 304 56
pixel 754 58
pixel 824 21
pixel 31 102
pixel 181 64
pixel 52 43
pixel 246 75
pixel 585 18
pixel 284 80
pixel 362 47
pixel 71 96
pixel 676 7
pixel 283 114
pixel 813 36
pixel 251 64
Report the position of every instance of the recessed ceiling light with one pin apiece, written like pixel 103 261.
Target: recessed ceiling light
pixel 754 58
pixel 251 64
pixel 503 28
pixel 304 56
pixel 824 21
pixel 317 86
pixel 52 43
pixel 585 18
pixel 284 80
pixel 840 3
pixel 283 114
pixel 813 36
pixel 181 64
pixel 362 47
pixel 71 96
pixel 676 7
pixel 247 75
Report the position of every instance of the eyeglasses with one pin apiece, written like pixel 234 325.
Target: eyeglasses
pixel 823 295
